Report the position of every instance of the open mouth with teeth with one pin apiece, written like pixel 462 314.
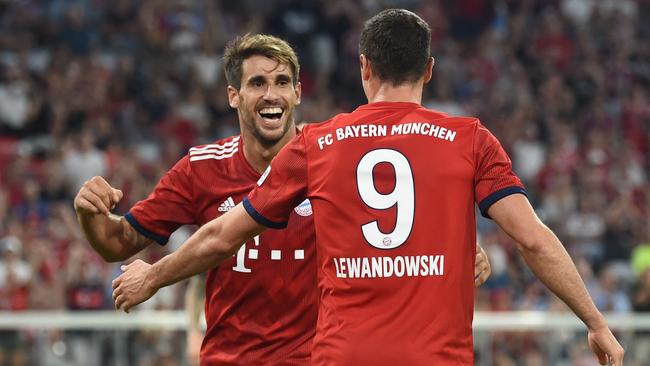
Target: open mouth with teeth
pixel 271 114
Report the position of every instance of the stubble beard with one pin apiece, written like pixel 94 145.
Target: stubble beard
pixel 258 133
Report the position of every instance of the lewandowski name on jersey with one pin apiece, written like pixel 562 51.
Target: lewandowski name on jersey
pixel 376 130
pixel 399 266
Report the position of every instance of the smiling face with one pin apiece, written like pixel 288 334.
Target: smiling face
pixel 266 99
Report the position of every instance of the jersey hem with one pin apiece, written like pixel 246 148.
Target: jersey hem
pixel 491 199
pixel 259 218
pixel 139 228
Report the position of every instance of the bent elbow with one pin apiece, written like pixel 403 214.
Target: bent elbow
pixel 215 245
pixel 536 240
pixel 113 257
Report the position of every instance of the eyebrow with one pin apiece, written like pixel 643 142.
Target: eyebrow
pixel 256 79
pixel 283 77
pixel 262 79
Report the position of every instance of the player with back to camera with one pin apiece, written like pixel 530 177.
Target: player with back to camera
pixel 262 302
pixel 380 179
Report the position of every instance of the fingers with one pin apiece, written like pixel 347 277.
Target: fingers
pixel 84 204
pixel 120 299
pixel 602 356
pixel 121 303
pixel 479 265
pixel 97 202
pixel 480 279
pixel 102 194
pixel 617 357
pixel 116 282
pixel 606 348
pixel 117 195
pixel 99 194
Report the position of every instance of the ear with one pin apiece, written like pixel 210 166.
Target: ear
pixel 428 72
pixel 233 97
pixel 298 91
pixel 366 70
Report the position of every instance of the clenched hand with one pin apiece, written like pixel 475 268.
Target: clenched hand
pixel 96 196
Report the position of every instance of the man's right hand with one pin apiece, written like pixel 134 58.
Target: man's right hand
pixel 603 343
pixel 97 196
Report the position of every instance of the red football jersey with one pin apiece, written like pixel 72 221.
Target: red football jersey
pixel 393 188
pixel 261 305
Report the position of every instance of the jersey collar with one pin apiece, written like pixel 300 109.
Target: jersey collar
pixel 392 105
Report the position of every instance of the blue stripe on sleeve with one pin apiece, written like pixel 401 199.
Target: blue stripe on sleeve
pixel 260 218
pixel 136 225
pixel 488 201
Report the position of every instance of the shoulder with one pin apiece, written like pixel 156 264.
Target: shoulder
pixel 442 118
pixel 312 128
pixel 218 150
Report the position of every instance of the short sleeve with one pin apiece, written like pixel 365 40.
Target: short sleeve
pixel 494 177
pixel 281 188
pixel 168 207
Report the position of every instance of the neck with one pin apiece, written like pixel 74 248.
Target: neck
pixel 386 92
pixel 258 155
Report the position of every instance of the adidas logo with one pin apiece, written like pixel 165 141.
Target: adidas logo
pixel 226 205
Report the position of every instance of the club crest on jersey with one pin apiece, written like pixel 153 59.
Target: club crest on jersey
pixel 304 209
pixel 264 175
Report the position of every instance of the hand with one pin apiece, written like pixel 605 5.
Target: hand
pixel 133 286
pixel 97 196
pixel 194 340
pixel 606 347
pixel 482 267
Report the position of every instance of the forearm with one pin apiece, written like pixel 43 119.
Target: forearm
pixel 110 235
pixel 204 250
pixel 550 262
pixel 545 256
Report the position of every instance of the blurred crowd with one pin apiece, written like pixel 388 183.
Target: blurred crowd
pixel 123 88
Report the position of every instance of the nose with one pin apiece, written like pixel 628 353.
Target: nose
pixel 271 94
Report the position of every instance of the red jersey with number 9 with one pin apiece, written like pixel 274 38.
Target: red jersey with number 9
pixel 393 188
pixel 261 305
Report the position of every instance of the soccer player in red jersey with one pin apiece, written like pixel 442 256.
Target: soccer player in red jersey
pixel 393 187
pixel 261 303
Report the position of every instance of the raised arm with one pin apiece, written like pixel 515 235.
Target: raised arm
pixel 208 247
pixel 110 235
pixel 550 262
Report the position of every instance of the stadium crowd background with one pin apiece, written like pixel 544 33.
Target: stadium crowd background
pixel 123 88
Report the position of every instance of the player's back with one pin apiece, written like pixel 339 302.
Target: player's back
pixel 392 189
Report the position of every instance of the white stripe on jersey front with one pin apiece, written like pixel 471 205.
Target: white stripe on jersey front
pixel 213 156
pixel 216 146
pixel 215 151
pixel 232 202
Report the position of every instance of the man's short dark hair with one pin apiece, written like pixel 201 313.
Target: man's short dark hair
pixel 250 45
pixel 398 44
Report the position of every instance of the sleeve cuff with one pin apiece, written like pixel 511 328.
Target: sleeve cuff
pixel 136 225
pixel 260 218
pixel 488 201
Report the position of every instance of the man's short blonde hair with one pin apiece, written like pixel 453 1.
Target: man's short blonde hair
pixel 265 45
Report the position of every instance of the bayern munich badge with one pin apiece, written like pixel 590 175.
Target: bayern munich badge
pixel 304 209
